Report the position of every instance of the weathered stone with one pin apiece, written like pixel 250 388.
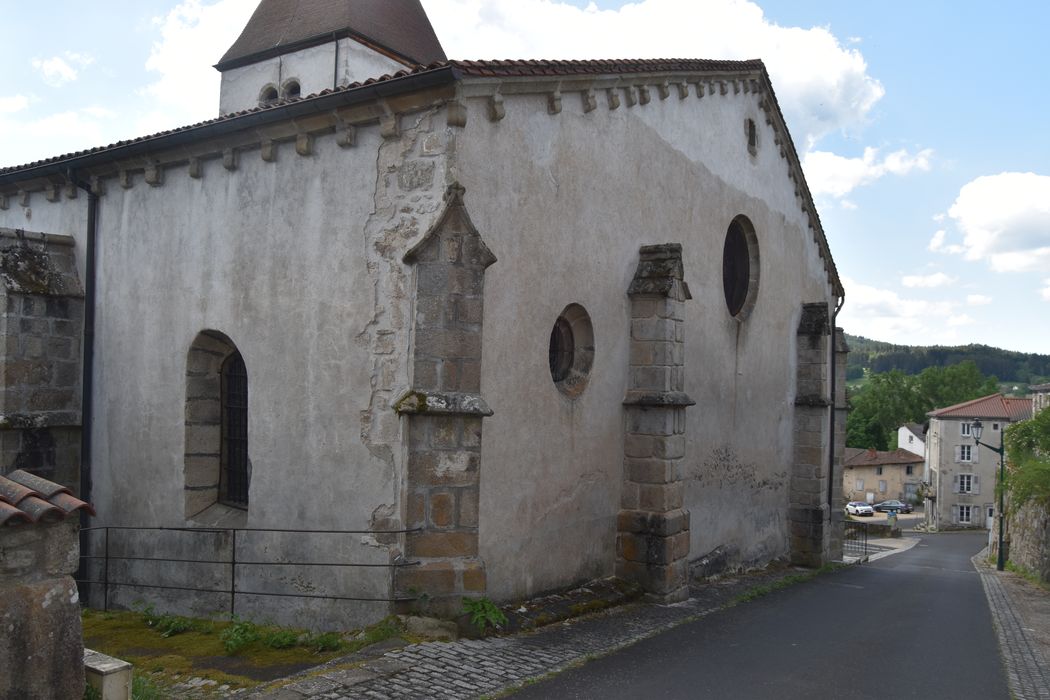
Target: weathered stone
pixel 432 578
pixel 442 509
pixel 442 544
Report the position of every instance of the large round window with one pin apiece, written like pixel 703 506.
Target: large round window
pixel 571 350
pixel 740 267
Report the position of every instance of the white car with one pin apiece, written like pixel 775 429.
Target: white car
pixel 859 508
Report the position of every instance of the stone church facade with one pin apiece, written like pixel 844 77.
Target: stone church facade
pixel 519 324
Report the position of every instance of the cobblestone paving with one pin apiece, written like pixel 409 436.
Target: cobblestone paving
pixel 476 668
pixel 1026 670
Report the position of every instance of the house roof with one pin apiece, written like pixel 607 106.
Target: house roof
pixel 1039 387
pixel 399 28
pixel 436 74
pixel 874 458
pixel 27 498
pixel 916 429
pixel 1006 408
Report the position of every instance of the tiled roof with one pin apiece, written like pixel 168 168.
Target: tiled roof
pixel 917 429
pixel 400 27
pixel 26 498
pixel 873 458
pixel 993 406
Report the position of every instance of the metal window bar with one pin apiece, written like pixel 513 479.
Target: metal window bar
pixel 234 477
pixel 855 539
pixel 233 563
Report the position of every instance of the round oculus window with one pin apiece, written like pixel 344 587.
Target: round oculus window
pixel 740 268
pixel 571 350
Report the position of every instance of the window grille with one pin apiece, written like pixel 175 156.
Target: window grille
pixel 233 483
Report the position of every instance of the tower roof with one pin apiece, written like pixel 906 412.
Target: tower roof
pixel 399 28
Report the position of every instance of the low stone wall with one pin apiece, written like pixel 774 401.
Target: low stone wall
pixel 1028 529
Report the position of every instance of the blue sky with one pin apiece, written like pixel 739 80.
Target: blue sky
pixel 920 124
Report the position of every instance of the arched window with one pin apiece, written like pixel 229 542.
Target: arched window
pixel 267 96
pixel 740 267
pixel 291 90
pixel 217 467
pixel 233 481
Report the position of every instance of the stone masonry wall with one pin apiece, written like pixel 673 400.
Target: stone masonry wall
pixel 444 411
pixel 1028 531
pixel 41 324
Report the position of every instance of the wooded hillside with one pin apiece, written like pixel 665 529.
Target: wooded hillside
pixel 1008 366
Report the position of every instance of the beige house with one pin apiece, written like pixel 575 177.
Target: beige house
pixel 875 475
pixel 457 314
pixel 961 475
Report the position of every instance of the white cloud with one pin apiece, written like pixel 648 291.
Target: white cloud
pixel 960 320
pixel 835 175
pixel 15 103
pixel 59 70
pixel 937 242
pixel 1045 291
pixel 978 300
pixel 63 132
pixel 847 204
pixel 822 85
pixel 193 35
pixel 937 279
pixel 884 314
pixel 1005 219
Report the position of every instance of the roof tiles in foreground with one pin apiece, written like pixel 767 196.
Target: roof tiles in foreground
pixel 27 498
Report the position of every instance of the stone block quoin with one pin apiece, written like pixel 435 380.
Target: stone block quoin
pixel 444 412
pixel 652 541
pixel 41 325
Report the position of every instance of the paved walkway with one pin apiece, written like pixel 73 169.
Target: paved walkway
pixel 478 668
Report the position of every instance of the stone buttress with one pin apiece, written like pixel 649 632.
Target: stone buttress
pixel 444 410
pixel 652 542
pixel 808 512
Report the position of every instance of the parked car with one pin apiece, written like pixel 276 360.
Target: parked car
pixel 859 508
pixel 899 506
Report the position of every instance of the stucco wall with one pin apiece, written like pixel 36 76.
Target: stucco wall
pixel 564 201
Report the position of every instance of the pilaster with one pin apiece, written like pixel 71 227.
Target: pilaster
pixel 652 542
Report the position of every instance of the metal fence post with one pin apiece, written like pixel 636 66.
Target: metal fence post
pixel 233 573
pixel 105 577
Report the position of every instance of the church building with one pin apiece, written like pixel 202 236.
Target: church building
pixel 394 329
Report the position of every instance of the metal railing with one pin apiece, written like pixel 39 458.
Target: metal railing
pixel 230 564
pixel 855 539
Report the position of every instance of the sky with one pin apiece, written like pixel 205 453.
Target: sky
pixel 921 124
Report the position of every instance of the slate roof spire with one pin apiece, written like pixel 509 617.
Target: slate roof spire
pixel 398 28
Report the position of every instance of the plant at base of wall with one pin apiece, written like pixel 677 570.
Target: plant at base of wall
pixel 483 613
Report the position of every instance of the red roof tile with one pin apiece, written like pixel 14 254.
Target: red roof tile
pixel 27 498
pixel 871 458
pixel 992 406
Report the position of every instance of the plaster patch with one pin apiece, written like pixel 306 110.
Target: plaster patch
pixel 723 470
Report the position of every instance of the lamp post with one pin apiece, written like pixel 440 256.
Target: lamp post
pixel 976 428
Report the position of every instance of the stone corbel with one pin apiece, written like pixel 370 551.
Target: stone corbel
pixel 268 150
pixel 629 96
pixel 154 175
pixel 345 134
pixel 456 113
pixel 612 97
pixel 554 101
pixel 590 102
pixel 229 159
pixel 23 198
pixel 3 202
pixel 664 89
pixel 72 191
pixel 643 94
pixel 683 90
pixel 53 192
pixel 722 89
pixel 699 89
pixel 124 178
pixel 195 168
pixel 389 126
pixel 497 110
pixel 304 144
pixel 736 87
pixel 98 186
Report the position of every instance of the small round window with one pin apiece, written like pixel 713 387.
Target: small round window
pixel 740 267
pixel 571 350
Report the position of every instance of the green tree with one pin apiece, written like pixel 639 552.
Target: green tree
pixel 947 386
pixel 1028 460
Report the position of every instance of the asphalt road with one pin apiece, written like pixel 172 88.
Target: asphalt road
pixel 912 625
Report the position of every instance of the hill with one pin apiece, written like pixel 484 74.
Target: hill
pixel 1006 365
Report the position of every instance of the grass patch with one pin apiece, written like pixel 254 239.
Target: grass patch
pixel 1026 574
pixel 238 653
pixel 782 583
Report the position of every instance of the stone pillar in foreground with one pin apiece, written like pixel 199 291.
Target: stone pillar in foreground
pixel 652 542
pixel 808 513
pixel 444 410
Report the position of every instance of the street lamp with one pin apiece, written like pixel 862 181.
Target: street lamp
pixel 976 428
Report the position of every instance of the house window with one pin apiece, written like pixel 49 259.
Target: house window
pixel 882 486
pixel 878 471
pixel 965 483
pixel 752 137
pixel 995 426
pixel 570 352
pixel 964 429
pixel 740 267
pixel 233 483
pixel 859 486
pixel 909 469
pixel 965 454
pixel 911 439
pixel 964 514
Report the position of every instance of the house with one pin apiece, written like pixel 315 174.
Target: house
pixel 1040 395
pixel 395 329
pixel 876 475
pixel 962 475
pixel 910 437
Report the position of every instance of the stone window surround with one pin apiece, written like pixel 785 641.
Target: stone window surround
pixel 751 239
